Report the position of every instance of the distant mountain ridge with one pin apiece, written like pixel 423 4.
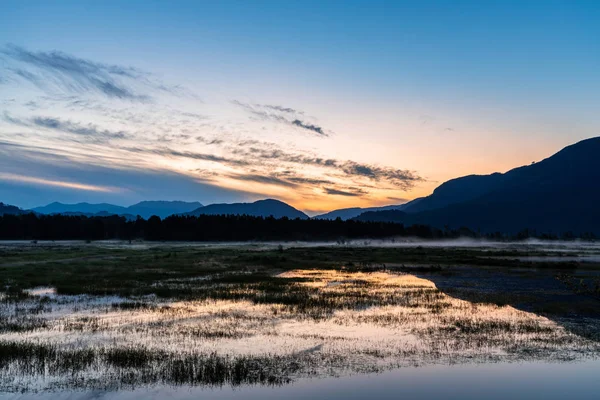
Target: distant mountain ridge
pixel 129 217
pixel 145 209
pixel 12 210
pixel 163 209
pixel 260 208
pixel 349 213
pixel 83 208
pixel 558 194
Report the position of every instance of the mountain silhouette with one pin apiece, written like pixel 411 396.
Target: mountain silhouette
pixel 260 208
pixel 145 209
pixel 12 210
pixel 382 216
pixel 457 191
pixel 349 213
pixel 557 195
pixel 163 209
pixel 83 208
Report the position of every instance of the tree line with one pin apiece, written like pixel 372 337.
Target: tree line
pixel 202 228
pixel 226 228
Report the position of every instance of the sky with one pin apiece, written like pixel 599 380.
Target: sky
pixel 322 104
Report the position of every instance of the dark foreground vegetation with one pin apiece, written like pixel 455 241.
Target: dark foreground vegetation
pixel 228 228
pixel 201 228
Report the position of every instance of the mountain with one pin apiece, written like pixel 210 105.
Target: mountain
pixel 145 209
pixel 382 216
pixel 129 217
pixel 457 191
pixel 261 208
pixel 349 213
pixel 12 210
pixel 163 209
pixel 84 208
pixel 556 195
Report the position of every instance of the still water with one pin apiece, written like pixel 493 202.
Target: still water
pixel 568 380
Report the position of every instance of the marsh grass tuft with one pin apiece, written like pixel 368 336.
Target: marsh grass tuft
pixel 135 365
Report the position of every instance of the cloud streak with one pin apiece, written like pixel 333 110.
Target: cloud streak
pixel 168 152
pixel 404 179
pixel 282 109
pixel 56 183
pixel 89 130
pixel 309 127
pixel 337 192
pixel 280 114
pixel 269 180
pixel 77 75
pixel 78 129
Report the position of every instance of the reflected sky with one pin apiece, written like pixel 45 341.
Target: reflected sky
pixel 551 381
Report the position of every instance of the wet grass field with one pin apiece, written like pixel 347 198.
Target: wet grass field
pixel 116 315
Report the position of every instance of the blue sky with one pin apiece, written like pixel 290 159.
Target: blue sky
pixel 397 96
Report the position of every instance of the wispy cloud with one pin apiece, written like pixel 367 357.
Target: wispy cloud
pixel 427 119
pixel 337 192
pixel 285 115
pixel 310 127
pixel 168 152
pixel 304 180
pixel 282 109
pixel 269 180
pixel 57 183
pixel 26 75
pixel 399 177
pixel 201 156
pixel 78 129
pixel 89 130
pixel 202 139
pixel 15 121
pixel 76 75
pixel 404 179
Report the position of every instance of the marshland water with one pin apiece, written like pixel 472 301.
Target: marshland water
pixel 345 320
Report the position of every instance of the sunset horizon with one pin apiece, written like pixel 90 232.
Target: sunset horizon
pixel 355 106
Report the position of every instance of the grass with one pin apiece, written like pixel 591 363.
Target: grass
pixel 589 286
pixel 133 305
pixel 479 327
pixel 126 272
pixel 135 365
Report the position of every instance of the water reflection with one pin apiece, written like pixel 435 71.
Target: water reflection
pixel 554 294
pixel 279 330
pixel 550 381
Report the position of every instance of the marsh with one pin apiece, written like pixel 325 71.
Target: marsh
pixel 281 319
